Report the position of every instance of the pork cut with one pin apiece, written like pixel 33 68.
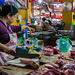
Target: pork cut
pixel 52 72
pixel 60 62
pixel 45 69
pixel 49 50
pixel 30 62
pixel 69 72
pixel 52 65
pixel 68 66
pixel 61 57
pixel 72 54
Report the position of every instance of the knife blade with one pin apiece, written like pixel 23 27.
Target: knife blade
pixel 25 55
pixel 8 68
pixel 70 59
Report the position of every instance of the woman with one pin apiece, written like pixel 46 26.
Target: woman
pixel 8 38
pixel 43 23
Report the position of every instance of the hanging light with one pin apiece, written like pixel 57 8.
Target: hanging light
pixel 57 6
pixel 43 12
pixel 40 1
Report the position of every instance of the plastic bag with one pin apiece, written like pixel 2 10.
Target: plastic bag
pixel 64 44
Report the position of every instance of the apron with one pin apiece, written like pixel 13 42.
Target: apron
pixel 13 40
pixel 11 44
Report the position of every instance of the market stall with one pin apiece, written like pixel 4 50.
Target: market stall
pixel 12 70
pixel 50 50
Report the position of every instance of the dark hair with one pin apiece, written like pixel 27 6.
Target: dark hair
pixel 8 9
pixel 43 18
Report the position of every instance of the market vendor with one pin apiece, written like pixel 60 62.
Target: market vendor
pixel 43 23
pixel 8 38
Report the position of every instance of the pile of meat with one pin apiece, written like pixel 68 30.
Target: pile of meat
pixel 60 67
pixel 72 55
pixel 49 50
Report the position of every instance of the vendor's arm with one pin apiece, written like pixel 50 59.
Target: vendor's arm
pixel 20 28
pixel 27 27
pixel 15 28
pixel 5 48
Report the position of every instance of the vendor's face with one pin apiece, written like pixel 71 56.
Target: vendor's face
pixel 11 19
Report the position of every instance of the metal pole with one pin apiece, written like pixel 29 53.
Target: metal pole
pixel 26 25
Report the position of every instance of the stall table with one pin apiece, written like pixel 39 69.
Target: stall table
pixel 25 71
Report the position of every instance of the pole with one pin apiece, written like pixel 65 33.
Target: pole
pixel 26 25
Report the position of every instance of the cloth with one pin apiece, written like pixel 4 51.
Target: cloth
pixel 4 36
pixel 3 59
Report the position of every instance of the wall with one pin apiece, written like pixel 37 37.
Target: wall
pixel 67 17
pixel 24 14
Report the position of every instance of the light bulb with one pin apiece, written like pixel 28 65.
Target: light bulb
pixel 40 1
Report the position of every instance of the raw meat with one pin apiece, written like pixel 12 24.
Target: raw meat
pixel 49 66
pixel 52 72
pixel 45 69
pixel 52 65
pixel 30 62
pixel 69 66
pixel 56 51
pixel 48 51
pixel 60 62
pixel 69 72
pixel 72 55
pixel 61 57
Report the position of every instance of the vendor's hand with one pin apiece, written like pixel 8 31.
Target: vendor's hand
pixel 30 29
pixel 27 27
pixel 30 62
pixel 33 34
pixel 8 50
pixel 5 49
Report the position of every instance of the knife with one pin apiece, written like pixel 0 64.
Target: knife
pixel 70 59
pixel 8 68
pixel 25 55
